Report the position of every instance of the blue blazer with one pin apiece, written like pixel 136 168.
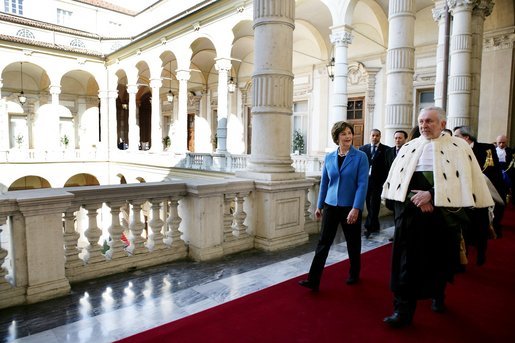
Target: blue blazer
pixel 346 186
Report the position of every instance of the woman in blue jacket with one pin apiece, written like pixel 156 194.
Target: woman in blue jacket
pixel 343 189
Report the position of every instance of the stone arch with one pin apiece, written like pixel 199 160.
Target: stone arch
pixel 29 182
pixel 83 179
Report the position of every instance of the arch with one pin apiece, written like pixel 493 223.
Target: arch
pixel 82 179
pixel 29 182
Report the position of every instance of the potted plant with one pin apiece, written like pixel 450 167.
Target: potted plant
pixel 298 142
pixel 19 140
pixel 65 141
pixel 167 142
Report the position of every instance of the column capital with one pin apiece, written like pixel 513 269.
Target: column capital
pixel 341 38
pixel 156 83
pixel 132 89
pixel 223 64
pixel 440 10
pixel 55 90
pixel 484 8
pixel 183 75
pixel 461 5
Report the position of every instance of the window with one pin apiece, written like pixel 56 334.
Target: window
pixel 63 17
pixel 426 98
pixel 13 6
pixel 355 109
pixel 300 126
pixel 78 44
pixel 24 33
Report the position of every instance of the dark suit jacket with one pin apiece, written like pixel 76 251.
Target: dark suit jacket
pixel 390 156
pixel 379 170
pixel 494 173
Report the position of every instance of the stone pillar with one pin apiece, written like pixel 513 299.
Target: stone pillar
pixel 155 125
pixel 4 122
pixel 479 13
pixel 341 38
pixel 272 87
pixel 53 129
pixel 400 67
pixel 44 266
pixel 112 134
pixel 458 112
pixel 104 120
pixel 133 124
pixel 441 15
pixel 223 65
pixel 280 196
pixel 179 144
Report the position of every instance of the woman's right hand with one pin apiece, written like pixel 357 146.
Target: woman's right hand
pixel 318 214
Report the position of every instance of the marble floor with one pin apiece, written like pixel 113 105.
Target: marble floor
pixel 114 307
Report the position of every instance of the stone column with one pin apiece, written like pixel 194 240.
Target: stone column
pixel 112 131
pixel 441 15
pixel 280 196
pixel 479 13
pixel 4 122
pixel 104 120
pixel 52 125
pixel 272 87
pixel 179 144
pixel 458 112
pixel 133 124
pixel 155 125
pixel 341 38
pixel 223 65
pixel 400 66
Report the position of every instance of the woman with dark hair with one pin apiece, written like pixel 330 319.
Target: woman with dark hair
pixel 343 188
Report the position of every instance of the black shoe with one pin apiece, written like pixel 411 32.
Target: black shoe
pixel 397 320
pixel 308 284
pixel 438 305
pixel 390 239
pixel 352 280
pixel 367 234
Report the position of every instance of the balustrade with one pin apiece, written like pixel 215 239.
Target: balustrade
pixel 104 231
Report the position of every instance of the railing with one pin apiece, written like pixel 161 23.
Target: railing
pixel 51 238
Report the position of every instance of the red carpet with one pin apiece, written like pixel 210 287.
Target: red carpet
pixel 481 307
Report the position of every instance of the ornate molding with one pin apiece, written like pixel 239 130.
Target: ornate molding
pixel 357 74
pixel 341 38
pixel 501 41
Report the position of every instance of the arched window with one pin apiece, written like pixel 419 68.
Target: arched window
pixel 24 33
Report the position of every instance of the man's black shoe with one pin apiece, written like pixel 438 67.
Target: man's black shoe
pixel 367 234
pixel 396 320
pixel 308 284
pixel 438 305
pixel 352 280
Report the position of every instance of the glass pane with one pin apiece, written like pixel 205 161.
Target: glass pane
pixel 358 114
pixel 350 105
pixel 359 104
pixel 427 97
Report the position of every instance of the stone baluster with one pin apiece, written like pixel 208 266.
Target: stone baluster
pixel 3 254
pixel 307 214
pixel 136 227
pixel 71 238
pixel 115 231
pixel 173 222
pixel 93 233
pixel 155 237
pixel 240 229
pixel 228 217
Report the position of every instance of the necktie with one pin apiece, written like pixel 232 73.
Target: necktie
pixel 373 150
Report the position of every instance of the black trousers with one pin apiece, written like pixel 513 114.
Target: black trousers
pixel 373 202
pixel 333 216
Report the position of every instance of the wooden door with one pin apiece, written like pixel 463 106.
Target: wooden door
pixel 355 114
pixel 191 132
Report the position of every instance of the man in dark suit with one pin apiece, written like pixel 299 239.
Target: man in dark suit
pixel 489 163
pixel 399 137
pixel 505 155
pixel 376 153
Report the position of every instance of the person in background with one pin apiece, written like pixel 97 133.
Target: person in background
pixel 414 133
pixel 376 152
pixel 505 155
pixel 343 188
pixel 399 137
pixel 486 156
pixel 435 177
